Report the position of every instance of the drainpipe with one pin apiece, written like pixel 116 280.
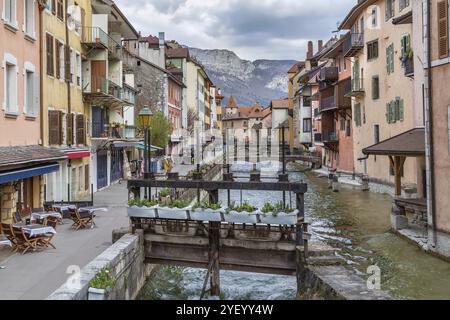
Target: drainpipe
pixel 431 198
pixel 41 7
pixel 67 70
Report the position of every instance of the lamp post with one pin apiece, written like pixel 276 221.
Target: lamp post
pixel 145 118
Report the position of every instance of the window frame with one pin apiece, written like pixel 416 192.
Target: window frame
pixel 10 21
pixel 33 109
pixel 29 33
pixel 307 123
pixel 10 99
pixel 372 48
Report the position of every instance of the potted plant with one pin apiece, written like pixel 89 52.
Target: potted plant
pixel 278 214
pixel 174 209
pixel 138 208
pixel 101 285
pixel 206 211
pixel 245 213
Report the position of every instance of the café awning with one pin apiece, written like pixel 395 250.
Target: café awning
pixel 408 144
pixel 21 174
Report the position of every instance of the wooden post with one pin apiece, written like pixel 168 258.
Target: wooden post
pixel 300 244
pixel 398 163
pixel 214 245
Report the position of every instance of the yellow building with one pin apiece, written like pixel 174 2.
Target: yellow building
pixel 64 121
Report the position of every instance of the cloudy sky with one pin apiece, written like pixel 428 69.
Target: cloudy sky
pixel 254 29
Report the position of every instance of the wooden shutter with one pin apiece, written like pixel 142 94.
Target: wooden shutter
pixel 53 127
pixel 81 130
pixel 67 62
pixel 54 6
pixel 50 62
pixel 58 59
pixel 388 63
pixel 401 107
pixel 69 124
pixel 388 112
pixel 443 29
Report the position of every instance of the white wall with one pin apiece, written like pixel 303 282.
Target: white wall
pixel 101 21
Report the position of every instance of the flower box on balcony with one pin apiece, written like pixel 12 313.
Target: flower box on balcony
pixel 207 215
pixel 173 213
pixel 281 218
pixel 141 212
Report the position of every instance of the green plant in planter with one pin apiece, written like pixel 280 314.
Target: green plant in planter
pixel 102 280
pixel 207 205
pixel 275 209
pixel 243 207
pixel 164 193
pixel 149 203
pixel 180 204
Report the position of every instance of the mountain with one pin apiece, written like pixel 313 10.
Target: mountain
pixel 247 81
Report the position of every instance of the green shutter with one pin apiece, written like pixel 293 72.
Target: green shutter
pixel 388 113
pixel 401 110
pixel 392 58
pixel 388 64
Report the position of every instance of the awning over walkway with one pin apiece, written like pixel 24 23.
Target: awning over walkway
pixel 18 156
pixel 154 148
pixel 409 144
pixel 27 173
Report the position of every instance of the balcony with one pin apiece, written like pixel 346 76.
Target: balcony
pixel 357 88
pixel 408 64
pixel 329 74
pixel 128 61
pixel 327 104
pixel 102 91
pixel 113 131
pixel 343 91
pixel 353 44
pixel 96 38
pixel 330 137
pixel 128 94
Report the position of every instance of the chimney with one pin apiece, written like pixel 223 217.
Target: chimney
pixel 309 54
pixel 161 39
pixel 319 45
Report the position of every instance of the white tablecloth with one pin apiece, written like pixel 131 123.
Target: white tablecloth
pixel 34 230
pixel 44 215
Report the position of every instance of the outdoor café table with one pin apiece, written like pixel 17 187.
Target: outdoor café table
pixel 33 230
pixel 44 215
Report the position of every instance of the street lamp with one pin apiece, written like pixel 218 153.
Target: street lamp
pixel 145 118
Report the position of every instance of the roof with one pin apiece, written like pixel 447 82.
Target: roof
pixel 150 39
pixel 354 13
pixel 248 112
pixel 410 143
pixel 231 102
pixel 177 53
pixel 295 67
pixel 336 48
pixel 18 155
pixel 280 104
pixel 407 18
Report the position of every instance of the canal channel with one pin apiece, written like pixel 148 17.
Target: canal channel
pixel 356 223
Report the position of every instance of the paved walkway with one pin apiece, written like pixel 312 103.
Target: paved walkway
pixel 36 275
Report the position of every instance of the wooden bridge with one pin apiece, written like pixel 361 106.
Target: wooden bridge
pixel 274 249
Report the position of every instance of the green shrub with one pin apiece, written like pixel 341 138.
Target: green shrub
pixel 180 204
pixel 164 193
pixel 102 280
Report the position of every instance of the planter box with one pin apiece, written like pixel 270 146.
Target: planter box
pixel 173 213
pixel 98 294
pixel 281 218
pixel 207 215
pixel 141 212
pixel 241 217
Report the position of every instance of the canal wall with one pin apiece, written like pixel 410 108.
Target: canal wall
pixel 125 262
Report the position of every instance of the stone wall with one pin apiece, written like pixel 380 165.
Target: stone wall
pixel 8 202
pixel 152 84
pixel 124 259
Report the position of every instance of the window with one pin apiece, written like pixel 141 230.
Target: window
pixel 395 110
pixel 443 27
pixel 49 51
pixel 390 59
pixel 375 87
pixel 69 129
pixel 80 178
pixel 306 102
pixel 406 45
pixel 81 129
pixel 55 127
pixel 306 125
pixel 9 12
pixel 28 21
pixel 86 177
pixel 72 66
pixel 376 133
pixel 403 4
pixel 390 10
pixel 10 76
pixel 31 105
pixel 60 9
pixel 348 131
pixel 345 64
pixel 78 62
pixel 374 17
pixel 60 67
pixel 342 122
pixel 339 64
pixel 372 50
pixel 357 116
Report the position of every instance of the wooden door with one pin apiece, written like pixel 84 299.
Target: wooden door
pixel 98 74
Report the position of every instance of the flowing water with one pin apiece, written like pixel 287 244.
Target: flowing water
pixel 356 223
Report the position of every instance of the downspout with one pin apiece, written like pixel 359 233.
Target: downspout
pixel 429 131
pixel 68 59
pixel 41 7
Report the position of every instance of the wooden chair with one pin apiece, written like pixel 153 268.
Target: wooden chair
pixel 78 221
pixel 8 232
pixel 52 222
pixel 25 243
pixel 18 217
pixel 46 240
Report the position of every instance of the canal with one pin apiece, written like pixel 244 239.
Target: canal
pixel 356 223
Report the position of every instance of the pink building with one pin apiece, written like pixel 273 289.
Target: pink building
pixel 23 161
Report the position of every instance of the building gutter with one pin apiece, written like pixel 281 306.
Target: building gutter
pixel 41 7
pixel 431 198
pixel 68 59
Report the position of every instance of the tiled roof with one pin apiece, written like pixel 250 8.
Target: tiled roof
pixel 28 154
pixel 296 66
pixel 150 39
pixel 231 102
pixel 178 53
pixel 409 143
pixel 280 103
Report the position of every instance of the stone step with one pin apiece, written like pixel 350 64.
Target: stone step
pixel 324 261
